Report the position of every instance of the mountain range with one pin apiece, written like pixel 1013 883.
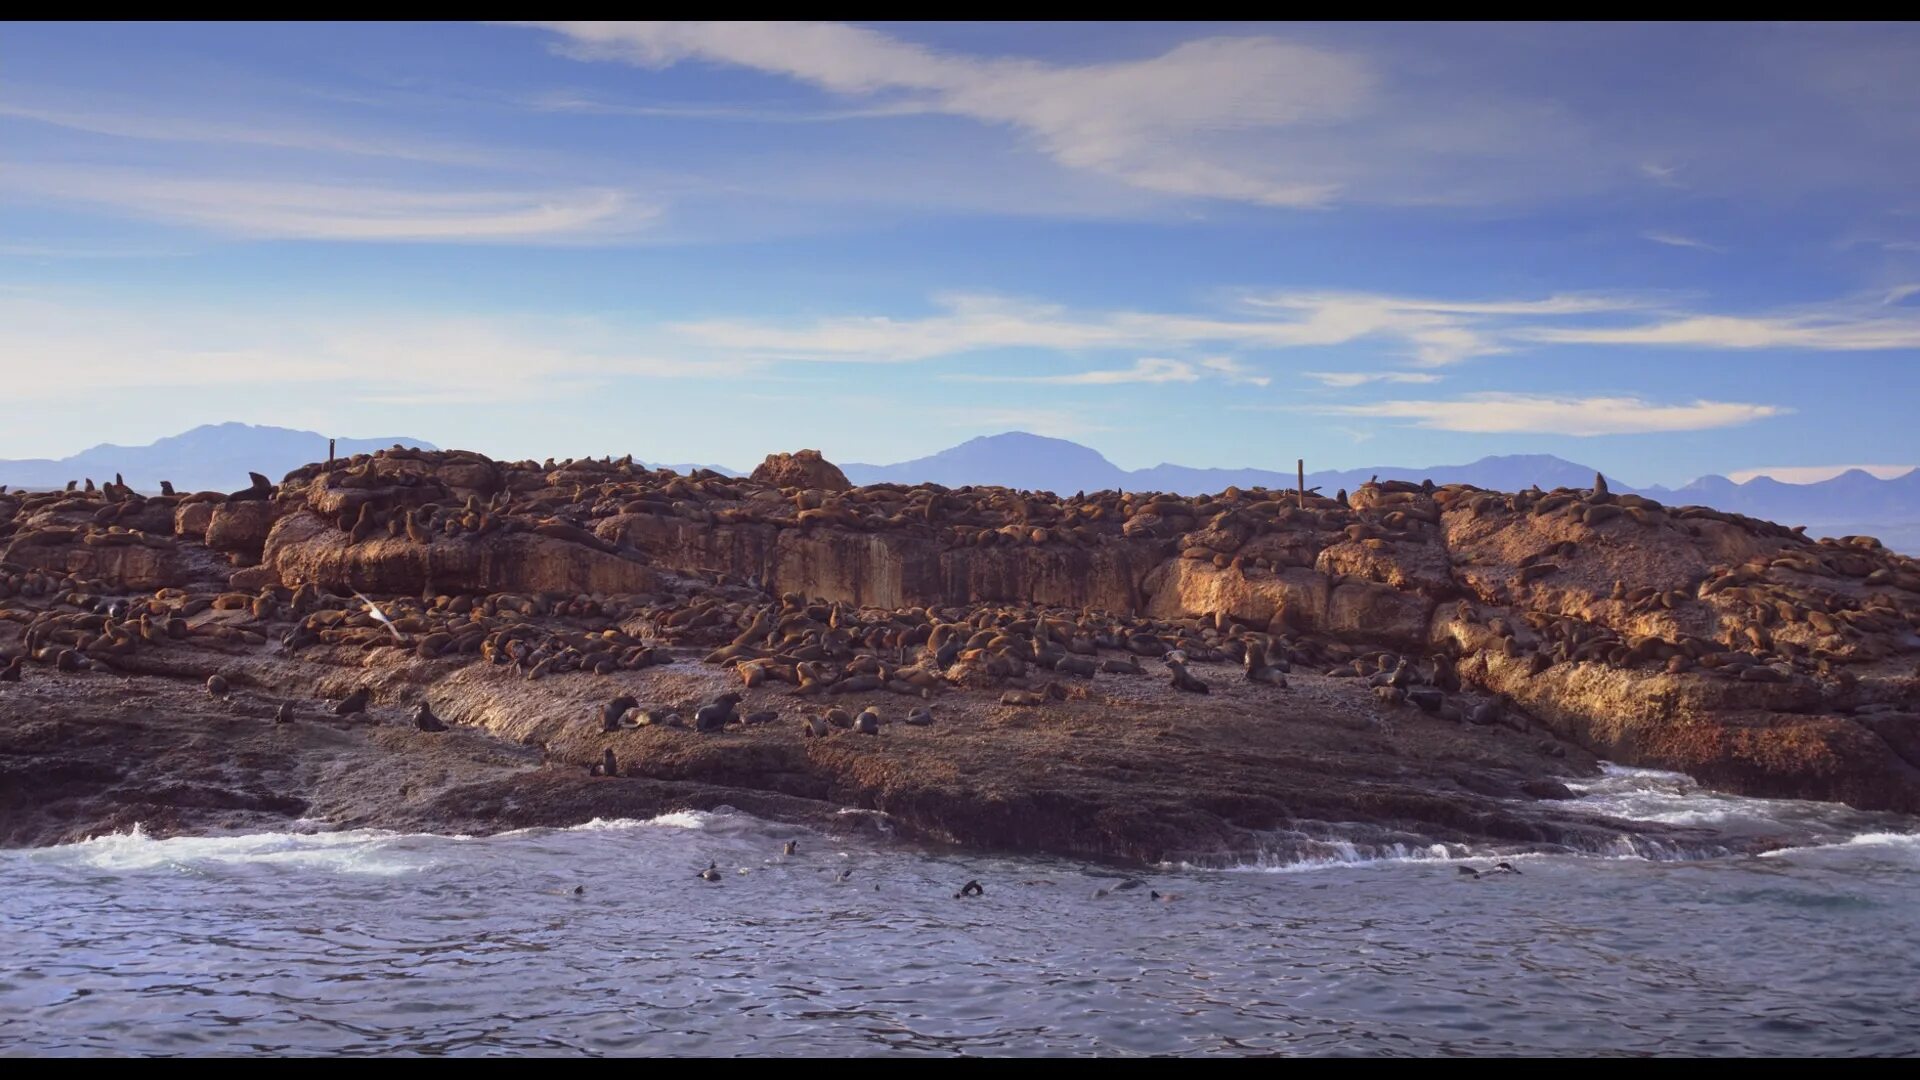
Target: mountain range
pixel 219 456
pixel 212 457
pixel 1853 502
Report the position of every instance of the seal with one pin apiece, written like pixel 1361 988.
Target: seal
pixel 920 716
pixel 1182 679
pixel 971 888
pixel 791 847
pixel 353 703
pixel 609 765
pixel 715 716
pixel 217 686
pixel 711 873
pixel 614 711
pixel 284 714
pixel 261 489
pixel 12 671
pixel 424 719
pixel 868 722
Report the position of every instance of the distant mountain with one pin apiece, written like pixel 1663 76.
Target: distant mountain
pixel 1017 459
pixel 1853 502
pixel 219 456
pixel 212 457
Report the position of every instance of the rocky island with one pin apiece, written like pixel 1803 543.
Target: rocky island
pixel 434 640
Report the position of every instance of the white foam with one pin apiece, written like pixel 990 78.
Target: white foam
pixel 1899 842
pixel 354 851
pixel 1318 854
pixel 678 819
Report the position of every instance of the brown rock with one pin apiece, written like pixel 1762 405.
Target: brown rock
pixel 803 469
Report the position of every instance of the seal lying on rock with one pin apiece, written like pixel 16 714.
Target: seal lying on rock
pixel 353 703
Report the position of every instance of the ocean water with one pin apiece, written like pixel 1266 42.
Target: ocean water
pixel 602 939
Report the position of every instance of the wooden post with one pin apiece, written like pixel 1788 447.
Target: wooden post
pixel 329 451
pixel 1300 493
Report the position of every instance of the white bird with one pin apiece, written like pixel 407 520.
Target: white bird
pixel 380 616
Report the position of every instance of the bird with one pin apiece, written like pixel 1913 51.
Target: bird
pixel 379 616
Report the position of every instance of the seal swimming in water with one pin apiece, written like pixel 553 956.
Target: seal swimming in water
pixel 711 873
pixel 971 888
pixel 791 847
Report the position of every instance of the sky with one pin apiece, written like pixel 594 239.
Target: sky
pixel 1663 250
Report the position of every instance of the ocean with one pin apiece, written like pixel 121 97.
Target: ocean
pixel 603 939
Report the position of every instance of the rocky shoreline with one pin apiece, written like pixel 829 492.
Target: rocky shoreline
pixel 1111 676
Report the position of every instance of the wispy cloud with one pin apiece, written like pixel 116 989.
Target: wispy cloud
pixel 1813 474
pixel 1530 414
pixel 1143 122
pixel 282 134
pixel 1430 332
pixel 1147 369
pixel 566 101
pixel 1672 239
pixel 273 208
pixel 1663 175
pixel 1348 379
pixel 1842 328
pixel 67 347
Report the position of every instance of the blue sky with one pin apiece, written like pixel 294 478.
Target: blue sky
pixel 1664 250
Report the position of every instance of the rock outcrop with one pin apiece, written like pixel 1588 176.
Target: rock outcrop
pixel 1742 652
pixel 804 469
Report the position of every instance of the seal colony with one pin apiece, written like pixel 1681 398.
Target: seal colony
pixel 1435 647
